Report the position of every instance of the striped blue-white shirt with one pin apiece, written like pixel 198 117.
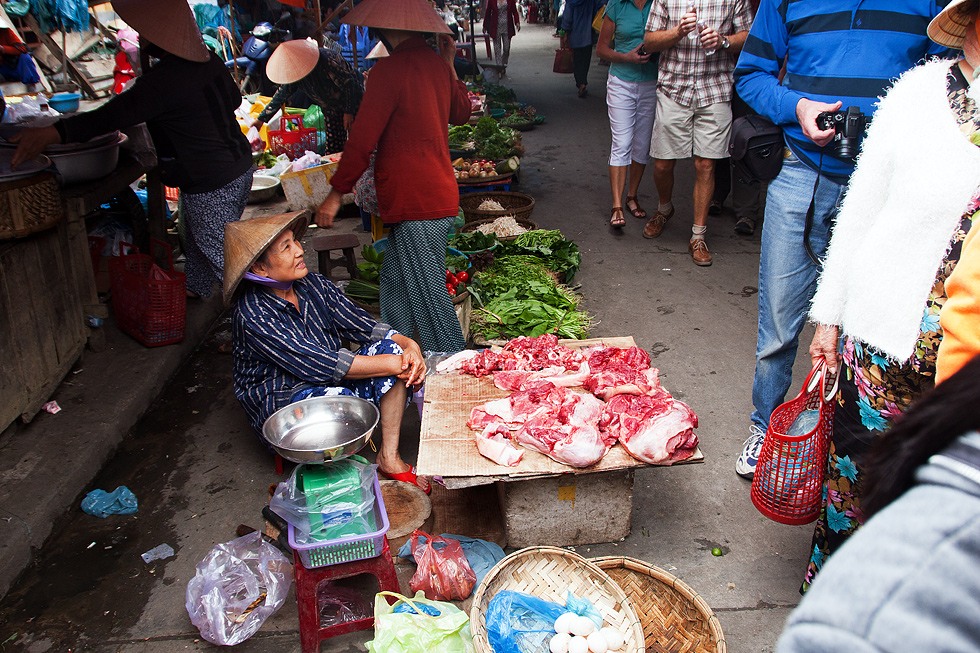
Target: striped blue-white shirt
pixel 279 351
pixel 847 50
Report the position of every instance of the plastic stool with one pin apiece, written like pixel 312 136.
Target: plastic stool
pixel 308 580
pixel 486 40
pixel 326 244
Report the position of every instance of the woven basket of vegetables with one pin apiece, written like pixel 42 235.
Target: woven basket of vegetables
pixel 503 228
pixel 512 203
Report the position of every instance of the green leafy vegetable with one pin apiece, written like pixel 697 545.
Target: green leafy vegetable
pixel 557 253
pixel 472 241
pixel 364 292
pixel 370 269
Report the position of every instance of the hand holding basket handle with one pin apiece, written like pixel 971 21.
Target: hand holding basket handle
pixel 788 482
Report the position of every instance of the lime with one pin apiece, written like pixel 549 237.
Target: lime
pixel 716 552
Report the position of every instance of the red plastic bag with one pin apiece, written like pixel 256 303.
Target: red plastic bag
pixel 443 573
pixel 563 61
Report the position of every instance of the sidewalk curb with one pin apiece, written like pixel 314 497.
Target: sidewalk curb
pixel 47 464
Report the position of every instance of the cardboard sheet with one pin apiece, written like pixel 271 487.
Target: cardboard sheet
pixel 447 447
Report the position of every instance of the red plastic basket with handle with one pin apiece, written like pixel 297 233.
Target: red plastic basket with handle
pixel 788 483
pixel 151 310
pixel 292 138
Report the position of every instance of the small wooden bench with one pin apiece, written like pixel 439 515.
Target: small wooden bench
pixel 325 244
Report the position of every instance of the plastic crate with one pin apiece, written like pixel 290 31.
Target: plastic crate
pixel 292 139
pixel 171 194
pixel 151 310
pixel 345 549
pixel 482 188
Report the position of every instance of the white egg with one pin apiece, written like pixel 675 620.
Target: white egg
pixel 559 643
pixel 578 645
pixel 597 643
pixel 582 626
pixel 614 638
pixel 563 624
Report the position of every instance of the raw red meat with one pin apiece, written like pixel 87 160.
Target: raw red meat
pixel 656 429
pixel 494 443
pixel 618 370
pixel 525 354
pixel 571 436
pixel 519 407
pixel 518 380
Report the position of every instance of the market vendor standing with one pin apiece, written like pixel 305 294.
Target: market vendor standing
pixel 187 100
pixel 326 79
pixel 288 329
pixel 414 93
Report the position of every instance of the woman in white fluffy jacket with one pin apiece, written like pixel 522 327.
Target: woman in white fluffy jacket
pixel 910 202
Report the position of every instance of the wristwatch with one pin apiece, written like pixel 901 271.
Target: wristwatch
pixel 725 43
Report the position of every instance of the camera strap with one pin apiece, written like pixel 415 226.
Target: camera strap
pixel 808 224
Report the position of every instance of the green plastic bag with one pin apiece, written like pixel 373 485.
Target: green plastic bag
pixel 314 118
pixel 396 632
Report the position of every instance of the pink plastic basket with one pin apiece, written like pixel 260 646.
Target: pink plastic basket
pixel 345 549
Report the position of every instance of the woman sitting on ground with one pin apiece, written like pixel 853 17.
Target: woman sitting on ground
pixel 288 332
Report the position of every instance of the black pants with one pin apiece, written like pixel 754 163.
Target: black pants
pixel 581 60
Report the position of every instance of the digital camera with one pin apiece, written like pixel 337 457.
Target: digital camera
pixel 848 126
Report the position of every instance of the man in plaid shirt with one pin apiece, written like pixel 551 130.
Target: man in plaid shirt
pixel 699 42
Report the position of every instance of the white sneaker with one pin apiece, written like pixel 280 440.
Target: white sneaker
pixel 745 465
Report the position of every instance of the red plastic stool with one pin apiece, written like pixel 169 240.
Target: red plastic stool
pixel 308 580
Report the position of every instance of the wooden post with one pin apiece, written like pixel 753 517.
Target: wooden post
pixel 74 71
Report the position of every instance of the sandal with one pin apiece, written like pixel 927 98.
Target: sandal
pixel 582 90
pixel 620 222
pixel 406 477
pixel 638 212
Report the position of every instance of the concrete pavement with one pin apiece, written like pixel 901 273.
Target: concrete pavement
pixel 199 472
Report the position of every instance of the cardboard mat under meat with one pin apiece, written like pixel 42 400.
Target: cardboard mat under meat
pixel 447 446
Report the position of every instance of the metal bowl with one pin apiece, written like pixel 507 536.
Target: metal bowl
pixel 321 429
pixel 264 187
pixel 89 164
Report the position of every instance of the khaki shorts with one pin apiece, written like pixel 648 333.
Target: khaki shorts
pixel 681 131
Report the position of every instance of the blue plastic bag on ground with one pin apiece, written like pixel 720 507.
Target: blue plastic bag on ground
pixel 521 623
pixel 100 503
pixel 480 554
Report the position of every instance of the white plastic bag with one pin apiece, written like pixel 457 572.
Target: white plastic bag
pixel 238 585
pixel 255 140
pixel 344 506
pixel 282 165
pixel 308 160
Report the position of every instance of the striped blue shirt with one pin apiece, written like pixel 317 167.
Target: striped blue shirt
pixel 847 50
pixel 279 351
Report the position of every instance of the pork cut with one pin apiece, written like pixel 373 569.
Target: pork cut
pixel 494 443
pixel 520 354
pixel 570 436
pixel 620 370
pixel 656 429
pixel 519 380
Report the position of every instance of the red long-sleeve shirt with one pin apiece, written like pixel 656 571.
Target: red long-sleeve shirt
pixel 409 101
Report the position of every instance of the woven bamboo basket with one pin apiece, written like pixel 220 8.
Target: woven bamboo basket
pixel 674 617
pixel 29 205
pixel 518 205
pixel 473 226
pixel 549 573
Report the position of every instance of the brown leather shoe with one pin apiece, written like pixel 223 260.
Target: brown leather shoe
pixel 656 224
pixel 698 249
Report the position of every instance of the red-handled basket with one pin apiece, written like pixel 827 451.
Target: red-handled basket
pixel 292 138
pixel 151 310
pixel 788 483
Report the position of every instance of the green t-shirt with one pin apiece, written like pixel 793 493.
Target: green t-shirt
pixel 630 27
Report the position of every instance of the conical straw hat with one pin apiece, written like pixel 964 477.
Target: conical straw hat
pixel 292 61
pixel 409 15
pixel 245 240
pixel 378 52
pixel 949 27
pixel 168 24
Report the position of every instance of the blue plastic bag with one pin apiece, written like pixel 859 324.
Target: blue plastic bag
pixel 480 554
pixel 583 608
pixel 100 503
pixel 521 623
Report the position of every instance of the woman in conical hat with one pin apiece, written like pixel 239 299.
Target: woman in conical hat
pixel 187 100
pixel 289 326
pixel 326 79
pixel 413 94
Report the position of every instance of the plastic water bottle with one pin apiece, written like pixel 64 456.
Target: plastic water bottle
pixel 693 34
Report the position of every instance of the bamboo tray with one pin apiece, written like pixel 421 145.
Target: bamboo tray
pixel 548 573
pixel 674 617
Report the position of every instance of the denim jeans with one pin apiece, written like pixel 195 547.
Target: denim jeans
pixel 787 277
